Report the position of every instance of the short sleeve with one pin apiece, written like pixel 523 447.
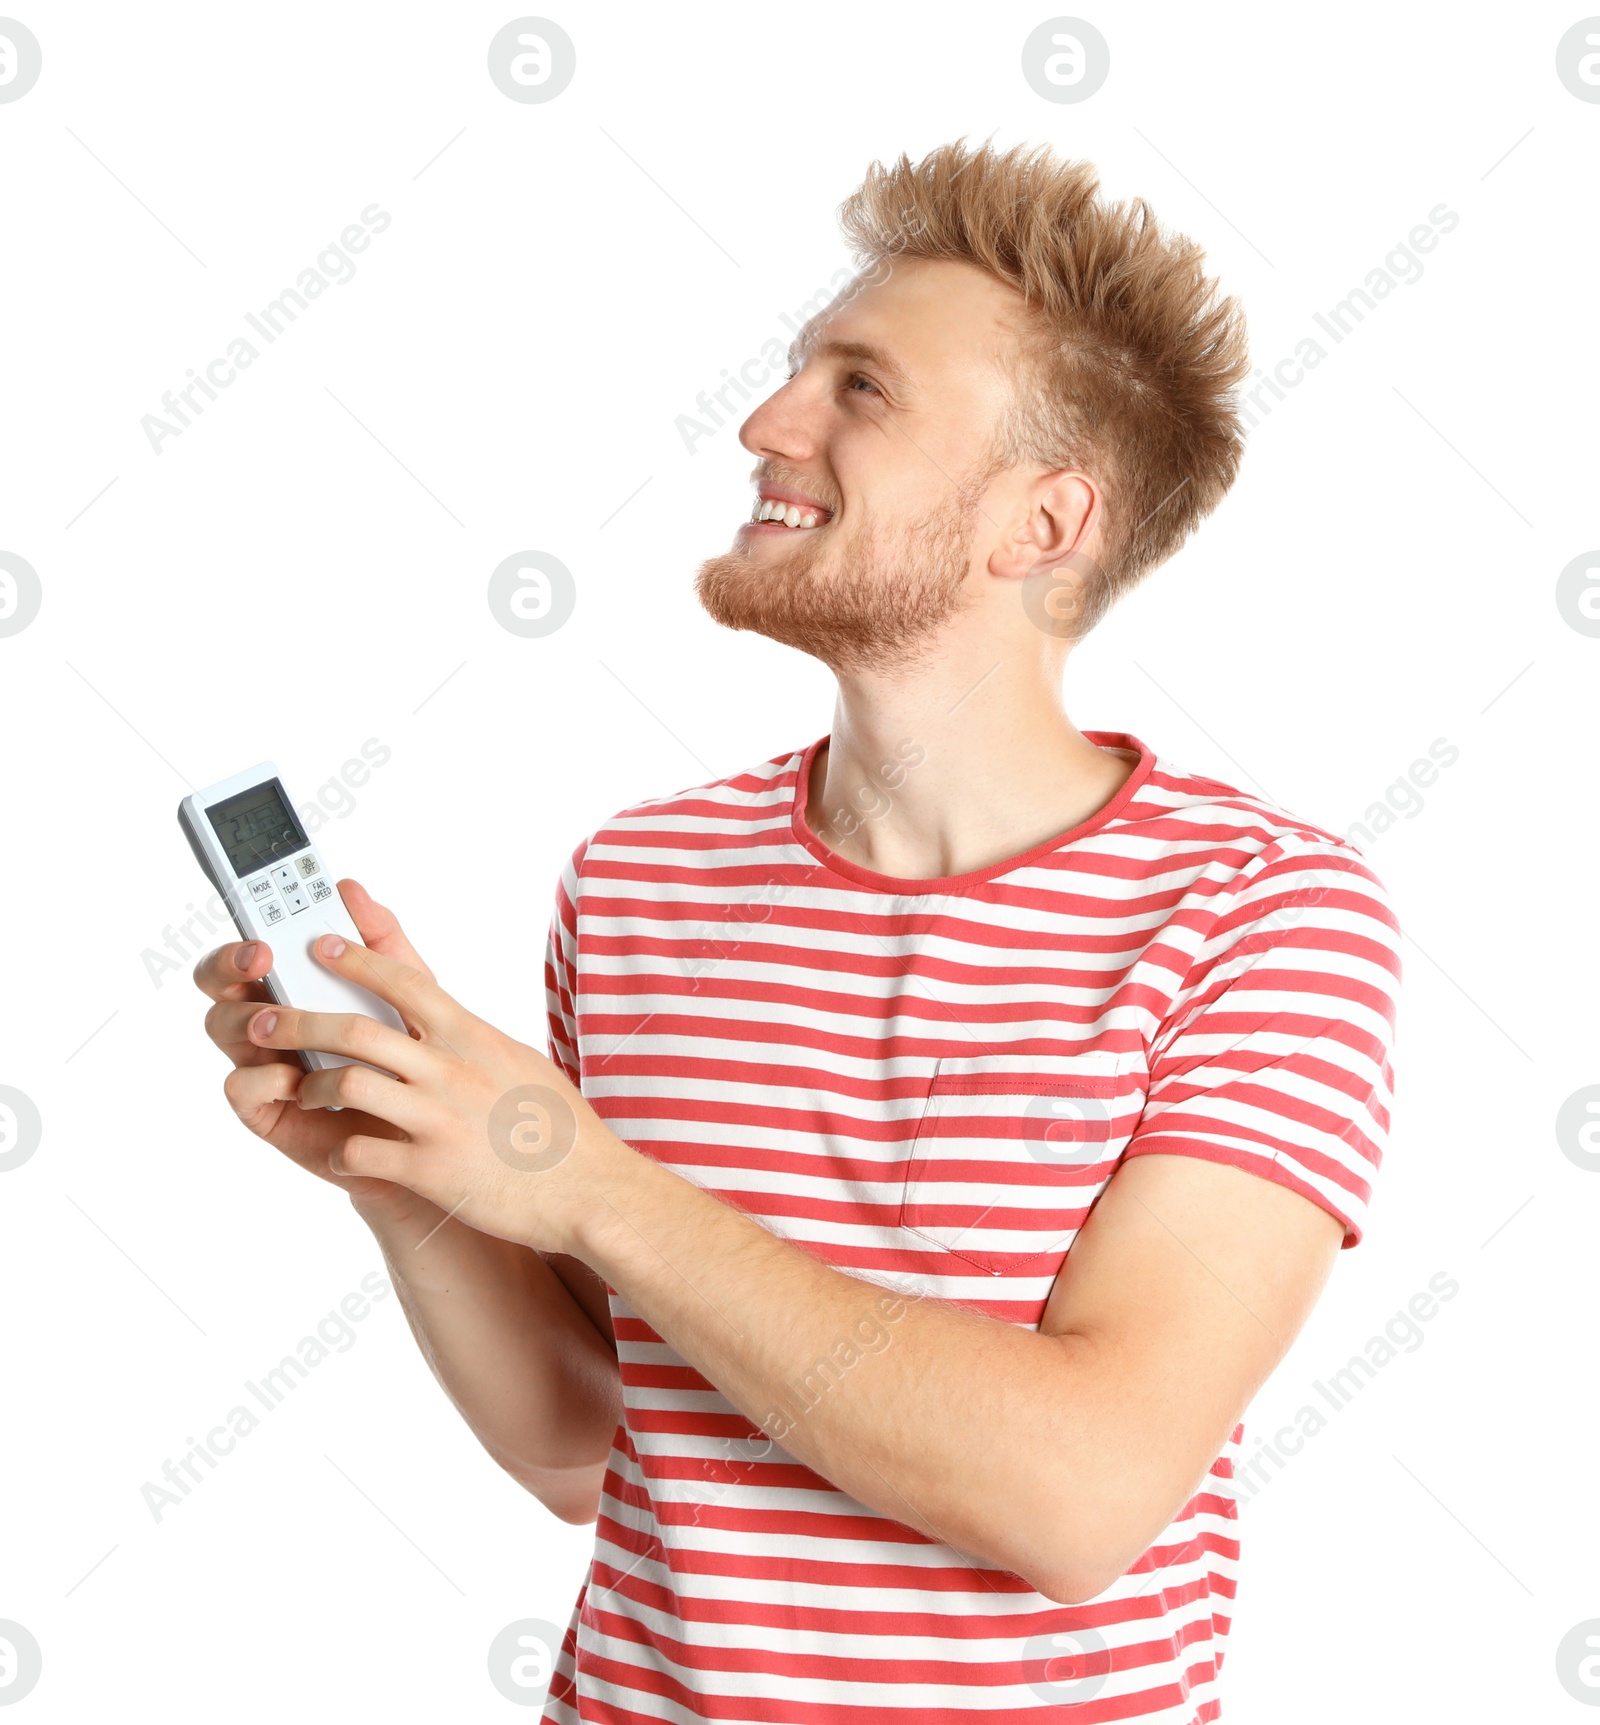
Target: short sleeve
pixel 561 968
pixel 1277 1054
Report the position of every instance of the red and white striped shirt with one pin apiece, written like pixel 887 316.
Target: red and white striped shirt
pixel 927 1083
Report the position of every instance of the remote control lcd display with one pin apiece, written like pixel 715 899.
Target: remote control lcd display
pixel 257 828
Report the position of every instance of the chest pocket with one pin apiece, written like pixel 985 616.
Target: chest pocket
pixel 1012 1149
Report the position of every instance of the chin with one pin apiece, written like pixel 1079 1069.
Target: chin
pixel 875 603
pixel 768 596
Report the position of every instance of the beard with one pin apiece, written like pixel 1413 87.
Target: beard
pixel 873 601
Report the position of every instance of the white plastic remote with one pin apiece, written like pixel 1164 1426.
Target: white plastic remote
pixel 248 839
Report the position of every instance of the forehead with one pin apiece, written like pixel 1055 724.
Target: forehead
pixel 938 320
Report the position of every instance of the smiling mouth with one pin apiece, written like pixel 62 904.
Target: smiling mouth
pixel 777 515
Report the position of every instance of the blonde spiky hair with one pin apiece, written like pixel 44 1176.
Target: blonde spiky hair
pixel 1131 359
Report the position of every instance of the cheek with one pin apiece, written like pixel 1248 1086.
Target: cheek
pixel 889 487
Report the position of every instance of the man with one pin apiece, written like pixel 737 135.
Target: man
pixel 951 1123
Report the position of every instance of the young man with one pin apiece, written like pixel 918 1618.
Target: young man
pixel 950 1123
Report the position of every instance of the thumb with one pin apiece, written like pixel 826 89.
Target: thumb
pixel 379 927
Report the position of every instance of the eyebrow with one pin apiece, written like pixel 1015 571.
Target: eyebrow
pixel 858 352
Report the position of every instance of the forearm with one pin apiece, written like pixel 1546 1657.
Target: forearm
pixel 896 1401
pixel 513 1350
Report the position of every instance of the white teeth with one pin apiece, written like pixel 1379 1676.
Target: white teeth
pixel 768 509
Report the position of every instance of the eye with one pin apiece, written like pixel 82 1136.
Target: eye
pixel 860 377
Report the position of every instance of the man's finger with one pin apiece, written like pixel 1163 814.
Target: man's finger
pixel 412 992
pixel 379 927
pixel 371 1092
pixel 227 1023
pixel 351 1033
pixel 252 1088
pixel 234 972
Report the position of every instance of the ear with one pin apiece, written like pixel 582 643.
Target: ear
pixel 1060 516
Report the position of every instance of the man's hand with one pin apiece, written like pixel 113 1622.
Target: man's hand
pixel 263 1088
pixel 478 1124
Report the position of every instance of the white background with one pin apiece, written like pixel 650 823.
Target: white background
pixel 305 568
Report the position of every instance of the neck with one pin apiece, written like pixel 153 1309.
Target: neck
pixel 953 769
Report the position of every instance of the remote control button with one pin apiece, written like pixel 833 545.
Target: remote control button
pixel 261 887
pixel 295 899
pixel 286 877
pixel 272 911
pixel 308 864
pixel 320 890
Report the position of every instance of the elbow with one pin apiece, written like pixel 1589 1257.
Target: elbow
pixel 1076 1566
pixel 571 1495
pixel 1079 1548
pixel 1072 1589
pixel 1071 1580
pixel 577 1507
pixel 576 1513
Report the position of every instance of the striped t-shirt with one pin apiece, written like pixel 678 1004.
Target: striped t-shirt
pixel 927 1083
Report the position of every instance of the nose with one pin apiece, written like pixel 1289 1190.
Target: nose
pixel 782 428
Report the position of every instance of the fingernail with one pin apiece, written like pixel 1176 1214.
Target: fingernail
pixel 332 946
pixel 264 1024
pixel 246 955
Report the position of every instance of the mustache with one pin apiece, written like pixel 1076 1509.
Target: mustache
pixel 769 475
